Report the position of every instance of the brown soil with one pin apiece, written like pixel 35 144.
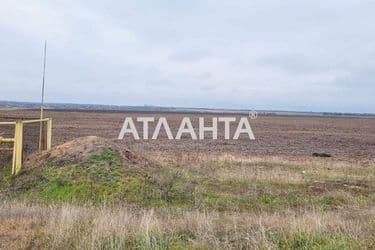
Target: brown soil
pixel 80 149
pixel 77 150
pixel 348 139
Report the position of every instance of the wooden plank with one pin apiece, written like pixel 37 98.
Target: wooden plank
pixel 49 134
pixel 7 123
pixel 6 149
pixel 25 121
pixel 35 121
pixel 6 140
pixel 14 159
pixel 18 148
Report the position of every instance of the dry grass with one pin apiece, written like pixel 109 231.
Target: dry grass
pixel 211 221
pixel 77 227
pixel 273 168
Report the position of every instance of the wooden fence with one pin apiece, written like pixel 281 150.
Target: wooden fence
pixel 17 140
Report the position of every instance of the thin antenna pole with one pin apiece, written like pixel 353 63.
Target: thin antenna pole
pixel 42 101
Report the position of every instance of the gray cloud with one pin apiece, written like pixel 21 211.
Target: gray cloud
pixel 236 54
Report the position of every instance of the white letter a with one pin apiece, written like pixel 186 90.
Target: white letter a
pixel 128 127
pixel 240 129
pixel 186 127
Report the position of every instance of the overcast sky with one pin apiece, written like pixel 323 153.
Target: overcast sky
pixel 264 54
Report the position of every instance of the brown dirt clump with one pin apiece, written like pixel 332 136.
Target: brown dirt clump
pixel 80 149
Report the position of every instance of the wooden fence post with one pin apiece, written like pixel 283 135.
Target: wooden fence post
pixel 49 134
pixel 18 148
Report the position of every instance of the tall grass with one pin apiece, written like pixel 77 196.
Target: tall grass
pixel 192 202
pixel 119 227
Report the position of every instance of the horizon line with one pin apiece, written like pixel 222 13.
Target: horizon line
pixel 37 104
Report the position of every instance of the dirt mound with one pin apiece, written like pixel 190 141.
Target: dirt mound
pixel 81 149
pixel 88 169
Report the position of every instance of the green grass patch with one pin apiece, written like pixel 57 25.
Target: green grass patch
pixel 95 181
pixel 315 240
pixel 104 178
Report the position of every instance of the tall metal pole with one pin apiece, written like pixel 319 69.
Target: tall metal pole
pixel 42 101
